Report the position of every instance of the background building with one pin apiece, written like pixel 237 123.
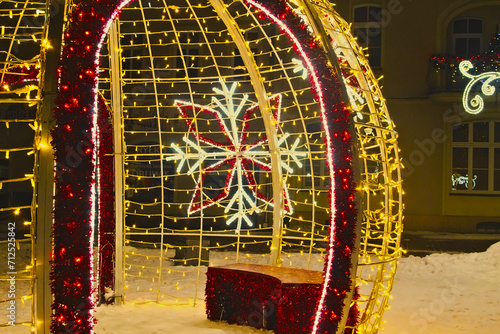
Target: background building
pixel 452 159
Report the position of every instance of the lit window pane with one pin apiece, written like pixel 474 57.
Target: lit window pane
pixel 461 133
pixel 479 179
pixel 481 132
pixel 460 157
pixel 480 158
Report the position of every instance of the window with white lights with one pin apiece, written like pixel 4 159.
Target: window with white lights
pixel 467 37
pixel 476 157
pixel 367 27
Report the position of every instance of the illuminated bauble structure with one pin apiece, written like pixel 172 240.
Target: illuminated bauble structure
pixel 248 131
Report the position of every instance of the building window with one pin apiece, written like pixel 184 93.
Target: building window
pixel 367 28
pixel 476 157
pixel 467 37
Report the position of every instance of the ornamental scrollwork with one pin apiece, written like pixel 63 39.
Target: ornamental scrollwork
pixel 474 105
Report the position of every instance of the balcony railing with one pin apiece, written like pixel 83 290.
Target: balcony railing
pixel 444 74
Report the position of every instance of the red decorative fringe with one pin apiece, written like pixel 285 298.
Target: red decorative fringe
pixel 19 76
pixel 338 119
pixel 74 147
pixel 259 300
pixel 106 223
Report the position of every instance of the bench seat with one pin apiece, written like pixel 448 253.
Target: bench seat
pixel 274 298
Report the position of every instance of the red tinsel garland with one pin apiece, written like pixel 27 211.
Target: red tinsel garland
pixel 19 75
pixel 74 149
pixel 22 75
pixel 106 216
pixel 261 297
pixel 337 122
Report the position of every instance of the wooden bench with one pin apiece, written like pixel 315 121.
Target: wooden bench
pixel 274 298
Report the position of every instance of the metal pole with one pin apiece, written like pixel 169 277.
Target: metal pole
pixel 45 168
pixel 116 107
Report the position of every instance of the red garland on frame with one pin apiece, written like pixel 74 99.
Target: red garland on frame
pixel 106 215
pixel 19 75
pixel 73 139
pixel 336 120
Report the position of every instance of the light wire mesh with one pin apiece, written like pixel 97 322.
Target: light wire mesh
pixel 23 32
pixel 181 51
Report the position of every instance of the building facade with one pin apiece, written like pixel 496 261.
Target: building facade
pixel 451 158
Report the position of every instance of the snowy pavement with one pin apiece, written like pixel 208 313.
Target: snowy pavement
pixel 436 294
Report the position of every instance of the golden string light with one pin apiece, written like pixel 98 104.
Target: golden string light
pixel 22 35
pixel 171 52
pixel 151 72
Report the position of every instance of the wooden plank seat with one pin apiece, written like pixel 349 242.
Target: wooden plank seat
pixel 274 298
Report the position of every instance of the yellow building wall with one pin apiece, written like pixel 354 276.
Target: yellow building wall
pixel 411 32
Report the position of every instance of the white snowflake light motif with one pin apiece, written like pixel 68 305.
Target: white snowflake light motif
pixel 235 156
pixel 299 67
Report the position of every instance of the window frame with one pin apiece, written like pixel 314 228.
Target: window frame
pixel 468 36
pixel 470 145
pixel 369 25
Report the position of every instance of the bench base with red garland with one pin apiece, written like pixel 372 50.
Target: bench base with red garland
pixel 274 298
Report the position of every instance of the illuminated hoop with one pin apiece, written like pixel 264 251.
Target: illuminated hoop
pixel 75 190
pixel 75 133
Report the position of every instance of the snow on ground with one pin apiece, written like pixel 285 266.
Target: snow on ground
pixel 446 294
pixel 436 294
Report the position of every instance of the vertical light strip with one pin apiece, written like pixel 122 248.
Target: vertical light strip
pixel 319 91
pixel 95 139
